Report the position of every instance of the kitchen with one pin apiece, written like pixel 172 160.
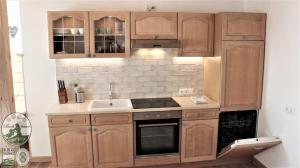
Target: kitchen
pixel 156 62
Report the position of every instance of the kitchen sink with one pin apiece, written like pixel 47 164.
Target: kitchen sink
pixel 109 105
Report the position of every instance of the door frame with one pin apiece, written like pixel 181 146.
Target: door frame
pixel 7 104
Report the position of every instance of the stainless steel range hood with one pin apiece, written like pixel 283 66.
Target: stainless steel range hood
pixel 155 44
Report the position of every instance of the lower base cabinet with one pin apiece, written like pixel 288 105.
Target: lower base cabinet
pixel 199 140
pixel 113 146
pixel 71 147
pixel 102 141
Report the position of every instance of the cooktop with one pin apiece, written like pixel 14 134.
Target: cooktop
pixel 154 103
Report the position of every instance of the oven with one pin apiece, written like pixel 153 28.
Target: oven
pixel 157 132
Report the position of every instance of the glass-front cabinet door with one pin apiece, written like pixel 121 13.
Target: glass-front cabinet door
pixel 68 34
pixel 109 34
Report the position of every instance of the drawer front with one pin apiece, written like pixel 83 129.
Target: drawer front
pixel 70 120
pixel 200 114
pixel 110 119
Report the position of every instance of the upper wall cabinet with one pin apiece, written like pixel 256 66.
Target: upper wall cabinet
pixel 68 34
pixel 153 25
pixel 109 34
pixel 196 34
pixel 241 26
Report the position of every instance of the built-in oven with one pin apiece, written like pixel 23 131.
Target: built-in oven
pixel 157 132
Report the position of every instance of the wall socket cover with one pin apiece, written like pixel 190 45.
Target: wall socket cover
pixel 186 91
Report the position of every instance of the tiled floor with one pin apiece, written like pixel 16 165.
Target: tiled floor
pixel 244 165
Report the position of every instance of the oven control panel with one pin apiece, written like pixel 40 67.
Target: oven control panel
pixel 157 115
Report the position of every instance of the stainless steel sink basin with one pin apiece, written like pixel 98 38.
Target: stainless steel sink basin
pixel 109 105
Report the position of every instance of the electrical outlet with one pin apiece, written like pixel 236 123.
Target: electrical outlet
pixel 290 109
pixel 186 91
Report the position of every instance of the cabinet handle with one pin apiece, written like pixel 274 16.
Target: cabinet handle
pixel 70 121
pixel 95 129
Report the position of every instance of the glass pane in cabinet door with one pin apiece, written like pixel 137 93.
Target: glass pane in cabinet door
pixel 79 47
pixel 69 47
pixel 67 31
pixel 120 44
pixel 58 48
pixel 110 44
pixel 100 27
pixel 119 27
pixel 99 44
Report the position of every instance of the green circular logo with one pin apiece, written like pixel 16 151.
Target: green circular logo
pixel 22 157
pixel 16 129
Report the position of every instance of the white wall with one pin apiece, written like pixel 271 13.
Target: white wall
pixel 13 10
pixel 40 70
pixel 279 115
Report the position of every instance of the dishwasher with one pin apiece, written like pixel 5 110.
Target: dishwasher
pixel 237 135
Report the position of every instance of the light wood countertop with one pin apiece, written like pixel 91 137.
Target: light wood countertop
pixel 82 108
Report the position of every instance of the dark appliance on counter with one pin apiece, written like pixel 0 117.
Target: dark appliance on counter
pixel 156 132
pixel 237 135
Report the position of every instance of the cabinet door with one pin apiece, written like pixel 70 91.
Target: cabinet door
pixel 196 33
pixel 68 34
pixel 72 147
pixel 153 25
pixel 243 26
pixel 113 145
pixel 199 140
pixel 109 34
pixel 242 68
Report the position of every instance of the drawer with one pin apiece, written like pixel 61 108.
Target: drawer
pixel 200 114
pixel 111 118
pixel 69 120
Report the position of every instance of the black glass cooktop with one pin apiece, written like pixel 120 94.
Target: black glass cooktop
pixel 154 103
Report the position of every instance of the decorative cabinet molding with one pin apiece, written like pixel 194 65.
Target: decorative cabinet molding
pixel 196 34
pixel 153 25
pixel 113 145
pixel 68 34
pixel 71 147
pixel 199 140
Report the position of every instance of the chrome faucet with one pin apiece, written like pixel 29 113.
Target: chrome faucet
pixel 110 91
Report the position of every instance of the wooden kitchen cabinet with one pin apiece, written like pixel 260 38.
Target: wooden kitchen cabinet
pixel 242 74
pixel 109 34
pixel 153 25
pixel 196 34
pixel 113 145
pixel 71 147
pixel 68 34
pixel 241 26
pixel 199 140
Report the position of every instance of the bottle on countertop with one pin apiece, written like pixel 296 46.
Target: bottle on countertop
pixel 79 94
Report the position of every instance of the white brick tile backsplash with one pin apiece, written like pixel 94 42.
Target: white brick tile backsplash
pixel 134 77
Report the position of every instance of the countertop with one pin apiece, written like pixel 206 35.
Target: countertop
pixel 82 108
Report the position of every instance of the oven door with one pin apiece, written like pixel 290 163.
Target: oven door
pixel 157 136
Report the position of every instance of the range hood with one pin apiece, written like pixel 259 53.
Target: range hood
pixel 155 44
